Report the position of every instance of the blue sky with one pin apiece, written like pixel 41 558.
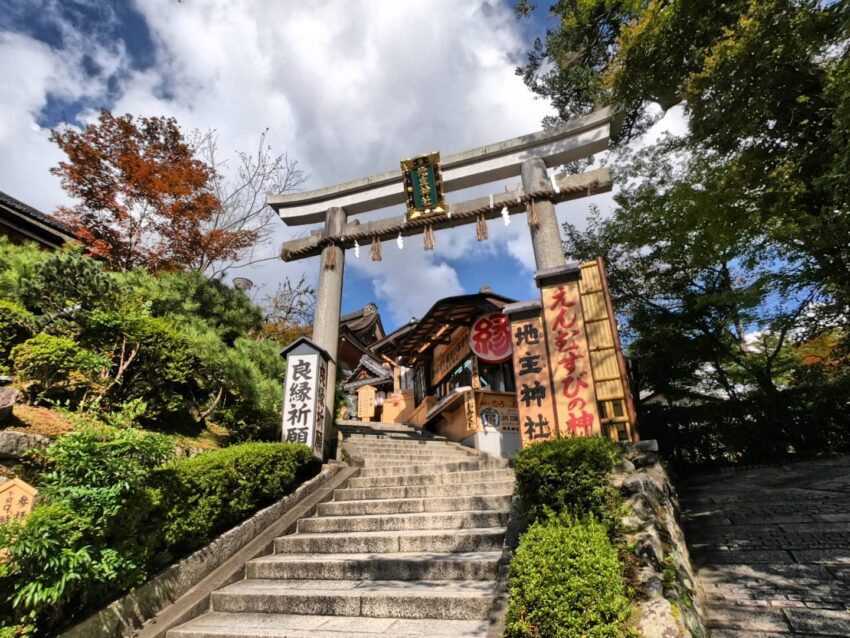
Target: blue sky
pixel 346 89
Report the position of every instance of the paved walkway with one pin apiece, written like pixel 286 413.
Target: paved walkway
pixel 772 549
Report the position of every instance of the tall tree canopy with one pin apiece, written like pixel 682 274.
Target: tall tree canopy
pixel 742 225
pixel 144 197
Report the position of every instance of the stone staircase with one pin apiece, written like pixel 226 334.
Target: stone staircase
pixel 411 547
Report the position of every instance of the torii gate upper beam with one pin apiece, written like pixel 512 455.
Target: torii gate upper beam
pixel 578 138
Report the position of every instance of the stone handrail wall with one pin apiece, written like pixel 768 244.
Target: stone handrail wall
pixel 669 600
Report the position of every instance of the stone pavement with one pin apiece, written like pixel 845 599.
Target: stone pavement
pixel 771 547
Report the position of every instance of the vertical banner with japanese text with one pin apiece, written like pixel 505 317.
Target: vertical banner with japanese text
pixel 572 375
pixel 537 420
pixel 303 402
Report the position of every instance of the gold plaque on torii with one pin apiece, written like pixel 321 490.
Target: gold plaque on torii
pixel 423 186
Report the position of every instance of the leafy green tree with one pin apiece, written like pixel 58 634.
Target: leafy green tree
pixel 16 326
pixel 712 300
pixel 764 87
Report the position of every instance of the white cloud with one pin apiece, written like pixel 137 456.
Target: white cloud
pixel 346 89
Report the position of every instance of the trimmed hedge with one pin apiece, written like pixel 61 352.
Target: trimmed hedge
pixel 110 518
pixel 566 581
pixel 199 497
pixel 567 476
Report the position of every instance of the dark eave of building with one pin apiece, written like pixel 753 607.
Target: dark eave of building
pixel 389 342
pixel 365 323
pixel 440 321
pixel 29 224
pixel 378 375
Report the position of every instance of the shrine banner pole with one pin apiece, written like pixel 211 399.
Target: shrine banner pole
pixel 328 304
pixel 545 234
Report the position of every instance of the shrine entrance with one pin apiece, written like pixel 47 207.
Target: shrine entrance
pixel 566 357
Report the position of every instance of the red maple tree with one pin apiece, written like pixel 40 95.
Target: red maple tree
pixel 144 197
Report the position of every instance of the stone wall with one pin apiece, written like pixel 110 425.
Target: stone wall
pixel 669 599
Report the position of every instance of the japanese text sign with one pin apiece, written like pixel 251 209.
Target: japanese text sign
pixel 537 421
pixel 304 397
pixel 490 338
pixel 569 359
pixel 17 499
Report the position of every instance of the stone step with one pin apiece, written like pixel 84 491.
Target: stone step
pixel 404 522
pixel 225 625
pixel 395 432
pixel 444 478
pixel 447 600
pixel 424 491
pixel 390 458
pixel 468 540
pixel 414 505
pixel 433 468
pixel 399 566
pixel 401 444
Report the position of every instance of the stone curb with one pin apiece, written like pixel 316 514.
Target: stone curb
pixel 182 591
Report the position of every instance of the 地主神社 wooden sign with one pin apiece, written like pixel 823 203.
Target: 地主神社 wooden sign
pixel 304 395
pixel 535 403
pixel 17 498
pixel 366 402
pixel 569 357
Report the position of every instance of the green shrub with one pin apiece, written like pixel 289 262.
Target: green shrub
pixel 110 515
pixel 567 476
pixel 16 326
pixel 58 363
pixel 566 581
pixel 202 496
pixel 68 283
pixel 55 569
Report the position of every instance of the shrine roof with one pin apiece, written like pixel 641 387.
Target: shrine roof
pixel 32 223
pixel 429 331
pixel 365 324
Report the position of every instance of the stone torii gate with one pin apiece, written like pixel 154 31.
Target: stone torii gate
pixel 527 156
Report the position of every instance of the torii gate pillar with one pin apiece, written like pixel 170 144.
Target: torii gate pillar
pixel 546 236
pixel 328 304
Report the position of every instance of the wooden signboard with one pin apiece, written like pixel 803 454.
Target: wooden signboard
pixel 569 357
pixel 535 405
pixel 447 358
pixel 606 355
pixel 498 410
pixel 17 499
pixel 366 402
pixel 469 411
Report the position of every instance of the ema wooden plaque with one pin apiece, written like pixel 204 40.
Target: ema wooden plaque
pixel 17 498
